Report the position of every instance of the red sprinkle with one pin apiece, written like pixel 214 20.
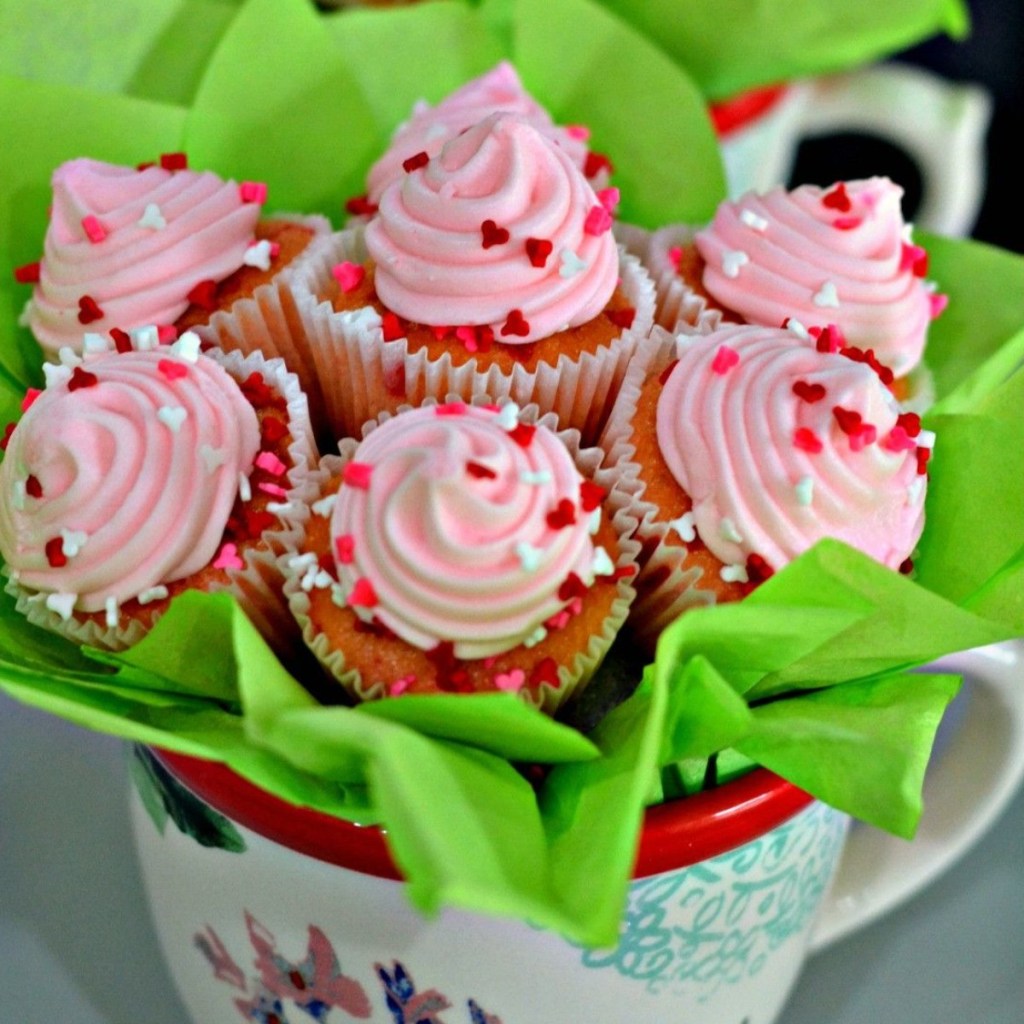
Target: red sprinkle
pixel 667 372
pixel 725 359
pixel 910 422
pixel 522 434
pixel 357 474
pixel 847 223
pixel 914 259
pixel 545 671
pixel 808 392
pixel 122 340
pixel 204 295
pixel 923 455
pixel 344 548
pixel 480 471
pixel 88 310
pixel 450 409
pixel 807 441
pixel 93 229
pixel 348 275
pixel 837 199
pixel 538 250
pixel 937 302
pixel 562 515
pixel 28 273
pixel 572 586
pixel 595 163
pixel 898 440
pixel 597 221
pixel 166 333
pixel 392 327
pixel 362 594
pixel 172 369
pixel 622 318
pixel 591 495
pixel 256 391
pixel 416 161
pixel 492 234
pixel 33 488
pixel 907 566
pixel 55 553
pixel 360 206
pixel 758 570
pixel 272 429
pixel 828 339
pixel 82 379
pixel 849 420
pixel 173 161
pixel 30 396
pixel 253 191
pixel 256 521
pixel 621 572
pixel 516 324
pixel 6 439
pixel 608 198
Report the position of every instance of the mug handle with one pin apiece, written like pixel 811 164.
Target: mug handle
pixel 976 771
pixel 941 125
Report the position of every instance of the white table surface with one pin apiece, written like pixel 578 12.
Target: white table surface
pixel 76 945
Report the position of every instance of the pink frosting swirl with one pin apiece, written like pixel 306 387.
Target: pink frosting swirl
pixel 428 241
pixel 748 425
pixel 429 128
pixel 823 256
pixel 126 470
pixel 451 528
pixel 135 243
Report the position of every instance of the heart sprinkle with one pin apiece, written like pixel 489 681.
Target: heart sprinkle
pixel 492 234
pixel 362 594
pixel 597 221
pixel 725 359
pixel 171 416
pixel 511 681
pixel 171 369
pixel 732 261
pixel 348 275
pixel 808 392
pixel 228 558
pixel 538 250
pixel 82 379
pixel 88 310
pixel 204 295
pixel 357 474
pixel 515 324
pixel 152 218
pixel 826 297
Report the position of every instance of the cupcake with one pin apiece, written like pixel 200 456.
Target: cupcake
pixel 460 549
pixel 133 476
pixel 429 128
pixel 751 444
pixel 488 270
pixel 160 245
pixel 839 256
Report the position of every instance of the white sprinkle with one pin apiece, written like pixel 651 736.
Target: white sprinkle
pixel 279 508
pixel 508 417
pixel 571 264
pixel 152 218
pixel 93 344
pixel 338 595
pixel 157 593
pixel 73 541
pixel 258 255
pixel 300 563
pixel 323 580
pixel 529 556
pixel 732 260
pixel 244 487
pixel 827 296
pixel 68 356
pixel 926 439
pixel 595 522
pixel 62 604
pixel 685 526
pixel 56 375
pixel 212 457
pixel 804 489
pixel 535 637
pixel 727 530
pixel 797 328
pixel 145 339
pixel 602 564
pixel 914 489
pixel 535 477
pixel 113 612
pixel 324 506
pixel 18 495
pixel 736 573
pixel 25 316
pixel 365 319
pixel 187 347
pixel 754 221
pixel 308 580
pixel 171 416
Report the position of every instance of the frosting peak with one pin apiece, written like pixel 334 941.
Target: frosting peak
pixel 430 128
pixel 455 241
pixel 124 247
pixel 455 520
pixel 122 473
pixel 838 255
pixel 779 445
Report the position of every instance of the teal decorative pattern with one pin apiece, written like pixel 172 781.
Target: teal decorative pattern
pixel 717 923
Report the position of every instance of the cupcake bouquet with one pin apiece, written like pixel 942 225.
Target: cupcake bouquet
pixel 466 496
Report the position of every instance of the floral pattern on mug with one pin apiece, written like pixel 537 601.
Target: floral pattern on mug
pixel 316 984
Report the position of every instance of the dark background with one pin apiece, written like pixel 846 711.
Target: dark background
pixel 992 56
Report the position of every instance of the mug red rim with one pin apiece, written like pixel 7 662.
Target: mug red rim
pixel 674 835
pixel 736 112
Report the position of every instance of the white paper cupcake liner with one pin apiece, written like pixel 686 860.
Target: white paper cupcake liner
pixel 593 465
pixel 258 584
pixel 361 375
pixel 666 586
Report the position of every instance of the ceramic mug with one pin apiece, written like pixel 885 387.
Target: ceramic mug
pixel 940 125
pixel 262 908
